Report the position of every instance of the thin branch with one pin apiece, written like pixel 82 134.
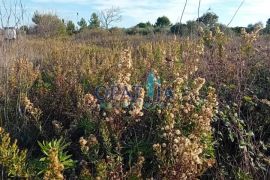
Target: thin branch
pixel 19 18
pixel 109 16
pixel 6 12
pixel 9 15
pixel 199 7
pixel 9 11
pixel 22 8
pixel 4 6
pixel 236 12
pixel 183 12
pixel 180 22
pixel 1 17
pixel 14 11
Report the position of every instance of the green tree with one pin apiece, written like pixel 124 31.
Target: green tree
pixel 193 27
pixel 82 23
pixel 268 22
pixel 267 27
pixel 70 27
pixel 209 19
pixel 48 24
pixel 94 21
pixel 36 17
pixel 180 29
pixel 144 25
pixel 24 28
pixel 163 22
pixel 252 27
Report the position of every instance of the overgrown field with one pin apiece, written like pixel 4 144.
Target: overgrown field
pixel 136 107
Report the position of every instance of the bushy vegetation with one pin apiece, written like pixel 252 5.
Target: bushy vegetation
pixel 162 101
pixel 50 25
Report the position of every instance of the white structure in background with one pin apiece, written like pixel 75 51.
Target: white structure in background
pixel 10 33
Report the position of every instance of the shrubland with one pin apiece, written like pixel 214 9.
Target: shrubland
pixel 81 107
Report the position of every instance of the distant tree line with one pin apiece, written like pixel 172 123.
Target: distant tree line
pixel 48 25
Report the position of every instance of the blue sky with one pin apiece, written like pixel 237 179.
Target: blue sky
pixel 135 11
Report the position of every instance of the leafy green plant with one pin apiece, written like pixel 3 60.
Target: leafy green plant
pixel 55 156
